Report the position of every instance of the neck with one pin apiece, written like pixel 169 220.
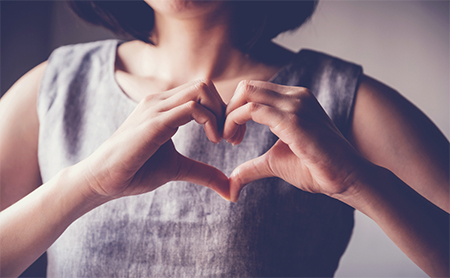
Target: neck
pixel 192 48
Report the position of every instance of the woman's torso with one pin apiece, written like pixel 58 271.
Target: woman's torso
pixel 183 229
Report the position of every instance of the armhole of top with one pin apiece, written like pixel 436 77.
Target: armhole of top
pixel 63 60
pixel 351 107
pixel 44 97
pixel 347 74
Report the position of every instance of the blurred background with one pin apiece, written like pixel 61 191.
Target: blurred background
pixel 404 44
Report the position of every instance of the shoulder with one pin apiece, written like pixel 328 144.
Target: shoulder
pixel 71 56
pixel 383 112
pixel 19 129
pixel 379 107
pixel 391 132
pixel 18 105
pixel 27 87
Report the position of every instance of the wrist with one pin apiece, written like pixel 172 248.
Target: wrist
pixel 79 189
pixel 364 187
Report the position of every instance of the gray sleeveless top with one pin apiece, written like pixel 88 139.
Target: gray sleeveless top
pixel 183 229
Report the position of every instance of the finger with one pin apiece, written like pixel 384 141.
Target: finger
pixel 204 174
pixel 247 91
pixel 282 89
pixel 255 169
pixel 237 138
pixel 277 120
pixel 166 94
pixel 169 122
pixel 201 91
pixel 270 86
pixel 282 97
pixel 191 110
pixel 221 103
pixel 242 130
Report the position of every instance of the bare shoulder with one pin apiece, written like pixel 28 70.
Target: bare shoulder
pixel 27 86
pixel 19 129
pixel 391 132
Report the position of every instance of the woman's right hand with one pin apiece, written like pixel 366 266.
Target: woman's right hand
pixel 140 155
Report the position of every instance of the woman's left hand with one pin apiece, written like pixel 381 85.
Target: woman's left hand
pixel 311 153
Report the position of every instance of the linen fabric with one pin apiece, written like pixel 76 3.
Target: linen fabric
pixel 183 229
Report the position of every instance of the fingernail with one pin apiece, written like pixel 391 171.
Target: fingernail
pixel 231 142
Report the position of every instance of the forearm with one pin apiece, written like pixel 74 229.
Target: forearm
pixel 414 224
pixel 30 226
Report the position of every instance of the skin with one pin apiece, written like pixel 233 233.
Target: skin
pixel 393 168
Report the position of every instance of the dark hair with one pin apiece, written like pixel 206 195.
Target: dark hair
pixel 253 22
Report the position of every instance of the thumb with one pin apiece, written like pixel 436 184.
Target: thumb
pixel 255 169
pixel 203 174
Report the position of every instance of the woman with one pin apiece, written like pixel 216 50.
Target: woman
pixel 182 229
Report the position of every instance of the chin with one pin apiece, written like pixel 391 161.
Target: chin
pixel 183 8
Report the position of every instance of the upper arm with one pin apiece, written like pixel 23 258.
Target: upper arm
pixel 391 132
pixel 19 129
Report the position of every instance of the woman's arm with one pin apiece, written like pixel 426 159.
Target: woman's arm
pixel 419 228
pixel 391 132
pixel 312 155
pixel 19 128
pixel 137 158
pixel 31 225
pixel 19 170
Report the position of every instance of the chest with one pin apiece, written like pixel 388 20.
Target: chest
pixel 137 87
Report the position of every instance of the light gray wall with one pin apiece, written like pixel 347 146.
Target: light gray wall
pixel 405 44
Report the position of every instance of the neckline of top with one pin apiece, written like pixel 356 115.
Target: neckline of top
pixel 112 67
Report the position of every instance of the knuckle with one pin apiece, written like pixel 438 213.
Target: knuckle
pixel 200 90
pixel 243 83
pixel 201 84
pixel 300 99
pixel 296 105
pixel 191 105
pixel 300 92
pixel 253 106
pixel 150 98
pixel 247 88
pixel 305 90
pixel 306 93
pixel 292 91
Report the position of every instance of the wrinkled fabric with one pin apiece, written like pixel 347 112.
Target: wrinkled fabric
pixel 183 229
